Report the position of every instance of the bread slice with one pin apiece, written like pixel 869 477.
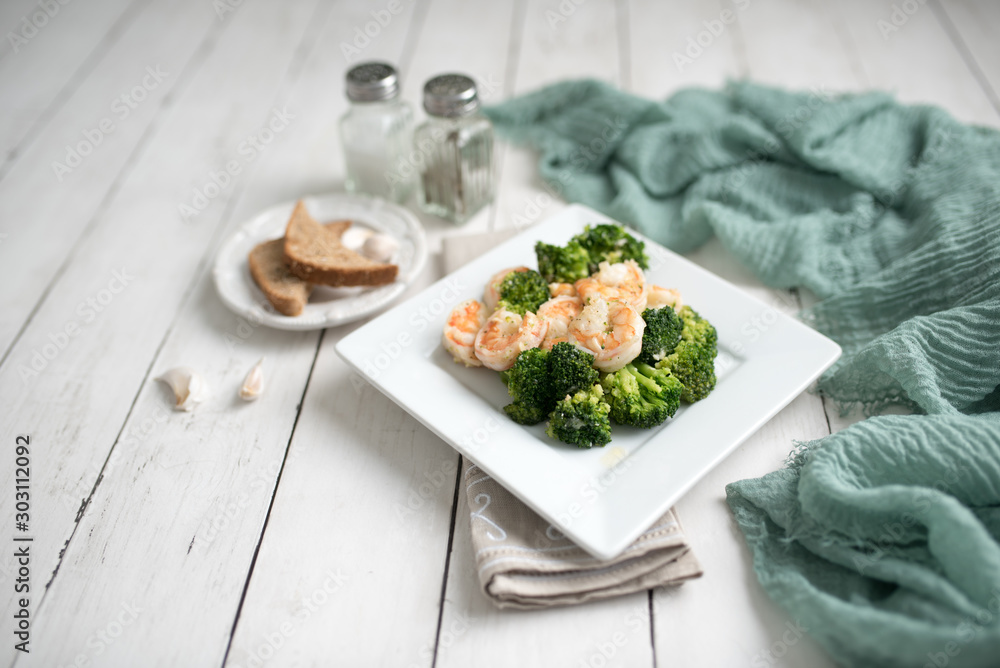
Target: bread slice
pixel 287 292
pixel 314 253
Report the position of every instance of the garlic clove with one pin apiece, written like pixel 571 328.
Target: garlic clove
pixel 253 384
pixel 355 237
pixel 188 386
pixel 379 247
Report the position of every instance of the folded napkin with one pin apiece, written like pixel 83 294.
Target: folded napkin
pixel 523 561
pixel 883 540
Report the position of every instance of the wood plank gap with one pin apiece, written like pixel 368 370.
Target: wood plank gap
pixel 740 49
pixel 517 20
pixel 624 45
pixel 652 625
pixel 826 412
pixel 963 49
pixel 309 42
pixel 274 495
pixel 413 32
pixel 88 65
pixel 847 41
pixel 447 559
pixel 797 296
pixel 187 74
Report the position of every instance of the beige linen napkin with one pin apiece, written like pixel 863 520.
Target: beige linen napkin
pixel 525 562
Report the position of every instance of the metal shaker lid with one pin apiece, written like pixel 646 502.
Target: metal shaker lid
pixel 372 82
pixel 450 95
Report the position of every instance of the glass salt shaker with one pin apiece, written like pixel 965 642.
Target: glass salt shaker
pixel 456 144
pixel 377 133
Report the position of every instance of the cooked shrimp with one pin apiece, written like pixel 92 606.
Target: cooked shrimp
pixel 610 331
pixel 660 297
pixel 548 343
pixel 459 336
pixel 623 280
pixel 560 289
pixel 492 293
pixel 558 311
pixel 505 335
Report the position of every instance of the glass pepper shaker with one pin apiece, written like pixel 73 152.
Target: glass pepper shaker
pixel 456 144
pixel 377 133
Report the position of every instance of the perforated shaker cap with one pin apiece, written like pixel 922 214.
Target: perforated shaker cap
pixel 450 95
pixel 372 82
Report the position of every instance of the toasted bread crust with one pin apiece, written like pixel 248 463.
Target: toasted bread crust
pixel 314 253
pixel 286 291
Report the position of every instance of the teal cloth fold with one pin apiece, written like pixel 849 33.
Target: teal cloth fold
pixel 881 539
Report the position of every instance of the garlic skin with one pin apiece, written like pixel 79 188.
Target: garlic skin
pixel 189 388
pixel 379 247
pixel 253 384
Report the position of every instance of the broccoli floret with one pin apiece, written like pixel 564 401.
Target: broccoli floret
pixel 570 370
pixel 525 413
pixel 697 329
pixel 693 360
pixel 662 333
pixel 583 253
pixel 582 419
pixel 562 264
pixel 539 378
pixel 523 291
pixel 530 385
pixel 641 395
pixel 694 366
pixel 611 243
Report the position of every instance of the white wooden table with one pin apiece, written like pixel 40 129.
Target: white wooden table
pixel 267 533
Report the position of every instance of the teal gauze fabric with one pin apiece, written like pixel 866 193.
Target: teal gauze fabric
pixel 881 539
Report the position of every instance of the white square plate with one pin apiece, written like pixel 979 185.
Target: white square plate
pixel 601 498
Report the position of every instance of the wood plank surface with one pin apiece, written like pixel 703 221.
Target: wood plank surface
pixel 51 49
pixel 322 525
pixel 157 256
pixel 54 195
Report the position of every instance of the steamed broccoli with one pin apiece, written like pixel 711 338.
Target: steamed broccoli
pixel 523 291
pixel 570 370
pixel 539 378
pixel 582 419
pixel 697 329
pixel 562 264
pixel 641 395
pixel 529 384
pixel 611 243
pixel 693 360
pixel 583 253
pixel 662 333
